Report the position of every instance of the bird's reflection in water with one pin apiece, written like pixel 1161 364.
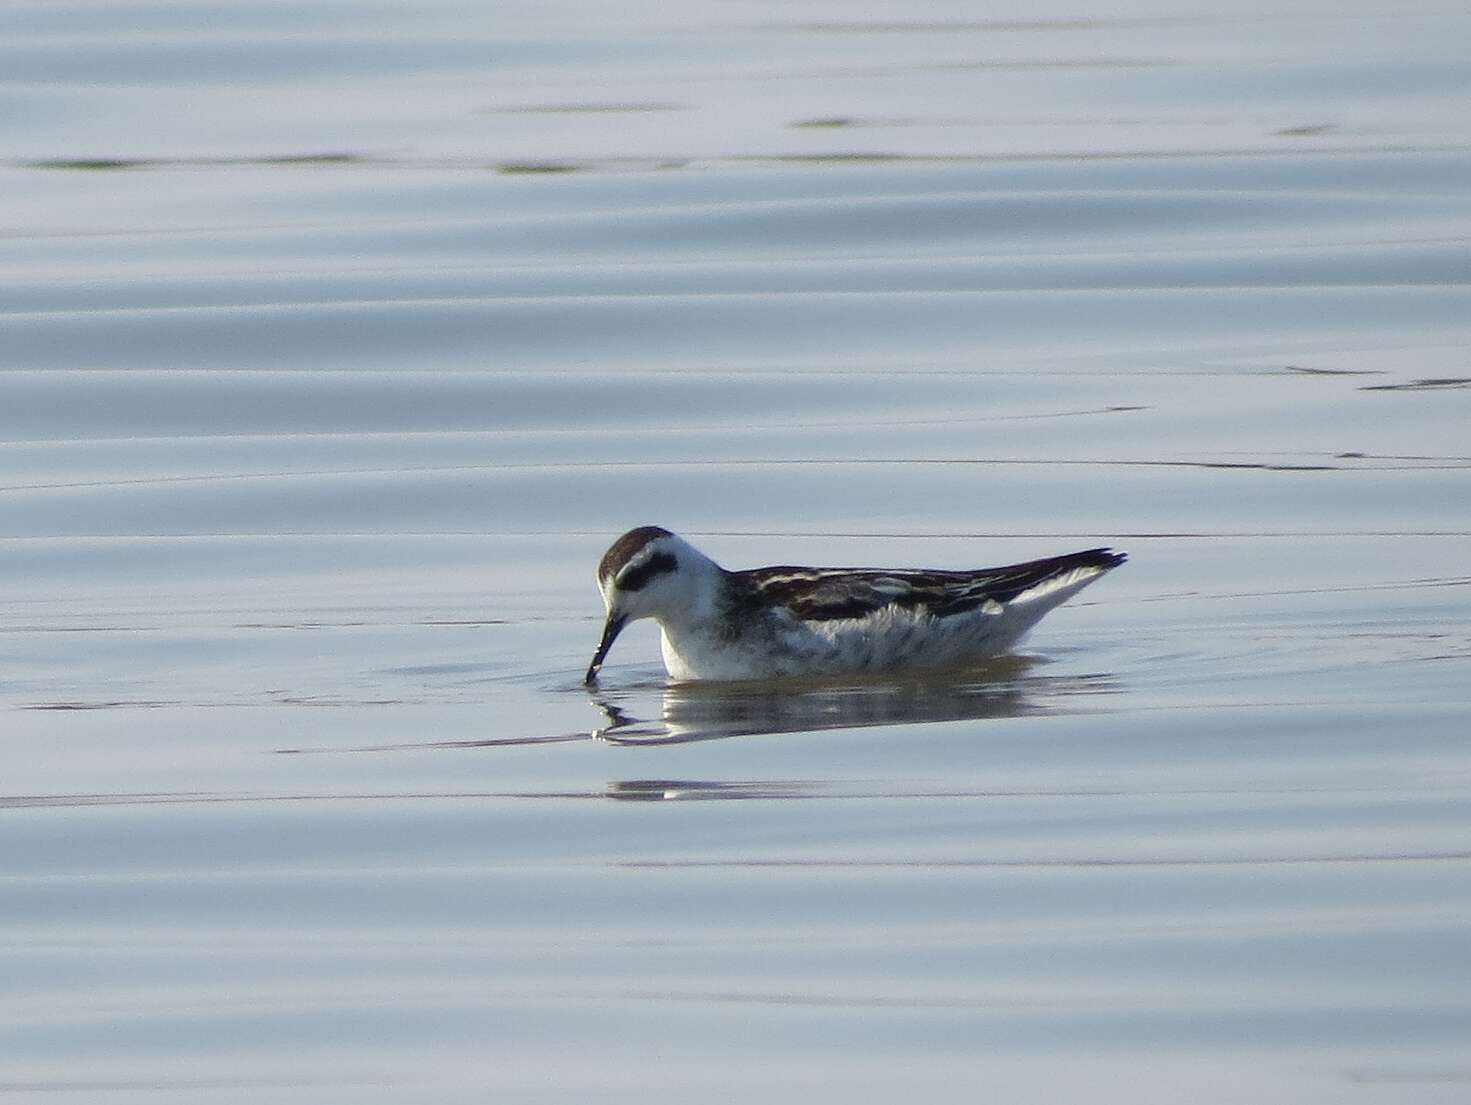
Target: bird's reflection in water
pixel 712 711
pixel 670 790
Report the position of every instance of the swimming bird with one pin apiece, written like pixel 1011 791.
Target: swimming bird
pixel 765 623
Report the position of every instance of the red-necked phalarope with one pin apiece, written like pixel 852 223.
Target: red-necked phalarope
pixel 770 622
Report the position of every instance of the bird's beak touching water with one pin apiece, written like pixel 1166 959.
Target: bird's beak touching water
pixel 614 626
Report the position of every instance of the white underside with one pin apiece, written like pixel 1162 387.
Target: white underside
pixel 892 640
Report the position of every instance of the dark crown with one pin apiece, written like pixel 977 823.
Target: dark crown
pixel 626 548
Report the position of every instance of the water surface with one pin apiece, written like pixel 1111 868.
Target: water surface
pixel 340 341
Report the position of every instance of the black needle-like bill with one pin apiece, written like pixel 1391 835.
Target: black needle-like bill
pixel 611 630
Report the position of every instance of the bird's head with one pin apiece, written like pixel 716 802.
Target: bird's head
pixel 651 573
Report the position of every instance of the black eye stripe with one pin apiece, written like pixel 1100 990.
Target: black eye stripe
pixel 636 579
pixel 626 548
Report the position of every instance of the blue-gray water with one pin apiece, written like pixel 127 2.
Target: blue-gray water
pixel 338 340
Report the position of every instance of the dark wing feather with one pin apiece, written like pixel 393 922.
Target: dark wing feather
pixel 823 594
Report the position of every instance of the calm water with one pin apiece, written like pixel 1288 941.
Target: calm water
pixel 339 340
